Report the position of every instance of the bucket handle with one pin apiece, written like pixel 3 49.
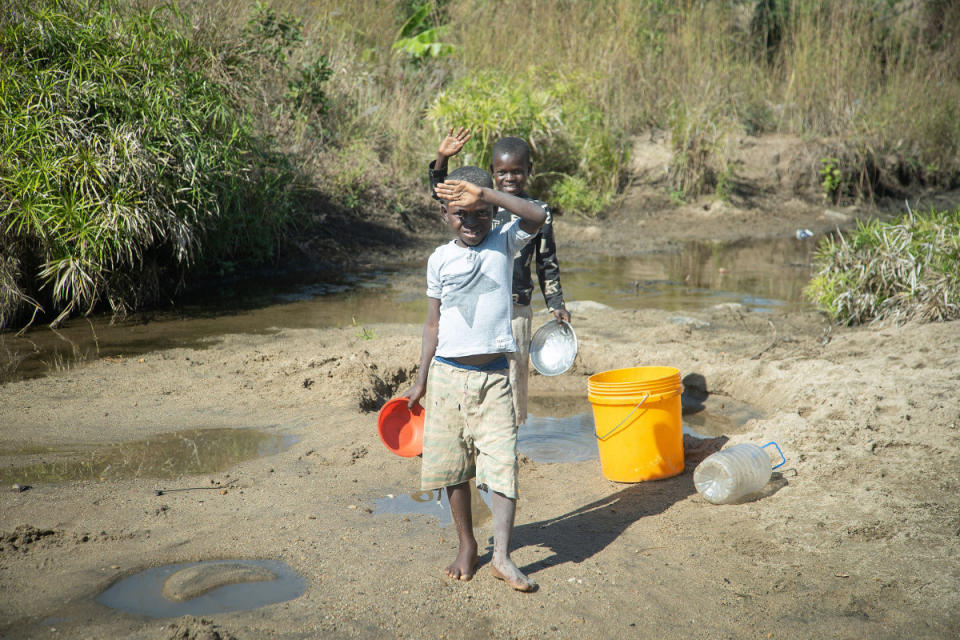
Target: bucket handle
pixel 632 411
pixel 783 458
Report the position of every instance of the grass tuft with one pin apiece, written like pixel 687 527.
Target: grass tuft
pixel 908 269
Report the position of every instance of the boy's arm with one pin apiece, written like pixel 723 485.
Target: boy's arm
pixel 436 177
pixel 428 348
pixel 463 194
pixel 449 147
pixel 548 270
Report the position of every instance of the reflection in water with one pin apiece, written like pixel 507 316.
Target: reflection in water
pixel 169 455
pixel 761 275
pixel 567 439
pixel 142 593
pixel 435 504
pixel 251 309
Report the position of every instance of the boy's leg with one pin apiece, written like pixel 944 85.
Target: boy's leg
pixel 496 438
pixel 448 459
pixel 501 566
pixel 466 562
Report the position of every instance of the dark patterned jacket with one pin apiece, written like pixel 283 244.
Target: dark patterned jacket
pixel 542 246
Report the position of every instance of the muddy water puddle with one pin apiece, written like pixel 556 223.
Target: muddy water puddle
pixel 561 429
pixel 760 275
pixel 204 588
pixel 169 455
pixel 434 504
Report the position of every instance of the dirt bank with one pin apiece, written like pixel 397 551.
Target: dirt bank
pixel 857 537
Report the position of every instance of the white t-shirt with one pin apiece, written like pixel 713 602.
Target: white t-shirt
pixel 474 285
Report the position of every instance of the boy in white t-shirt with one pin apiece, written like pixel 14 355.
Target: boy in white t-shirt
pixel 470 429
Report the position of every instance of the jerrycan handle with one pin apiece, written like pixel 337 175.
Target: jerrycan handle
pixel 622 422
pixel 783 459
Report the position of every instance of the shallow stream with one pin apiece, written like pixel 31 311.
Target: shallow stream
pixel 761 275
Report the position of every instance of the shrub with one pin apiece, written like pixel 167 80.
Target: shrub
pixel 831 178
pixel 572 193
pixel 126 150
pixel 572 144
pixel 901 270
pixel 420 36
pixel 492 108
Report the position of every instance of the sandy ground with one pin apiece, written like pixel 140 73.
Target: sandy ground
pixel 857 536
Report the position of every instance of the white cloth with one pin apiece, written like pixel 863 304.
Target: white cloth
pixel 474 287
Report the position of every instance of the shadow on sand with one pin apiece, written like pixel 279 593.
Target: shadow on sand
pixel 586 531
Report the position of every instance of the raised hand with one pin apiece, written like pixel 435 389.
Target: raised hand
pixel 453 143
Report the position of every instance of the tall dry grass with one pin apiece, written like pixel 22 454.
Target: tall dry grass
pixel 869 74
pixel 372 130
pixel 380 98
pixel 880 78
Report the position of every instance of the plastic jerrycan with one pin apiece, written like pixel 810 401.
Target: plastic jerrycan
pixel 728 475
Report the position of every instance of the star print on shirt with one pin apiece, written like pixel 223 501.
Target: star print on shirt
pixel 465 294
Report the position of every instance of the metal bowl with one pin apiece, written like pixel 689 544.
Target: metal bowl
pixel 553 348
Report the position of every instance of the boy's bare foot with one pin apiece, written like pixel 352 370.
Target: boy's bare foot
pixel 508 572
pixel 465 565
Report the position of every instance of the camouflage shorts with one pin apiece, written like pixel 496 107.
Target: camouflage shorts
pixel 470 430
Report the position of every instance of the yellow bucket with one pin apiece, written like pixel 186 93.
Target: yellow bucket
pixel 635 378
pixel 640 435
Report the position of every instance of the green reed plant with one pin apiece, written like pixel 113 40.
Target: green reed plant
pixel 128 156
pixel 907 269
pixel 421 35
pixel 493 108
